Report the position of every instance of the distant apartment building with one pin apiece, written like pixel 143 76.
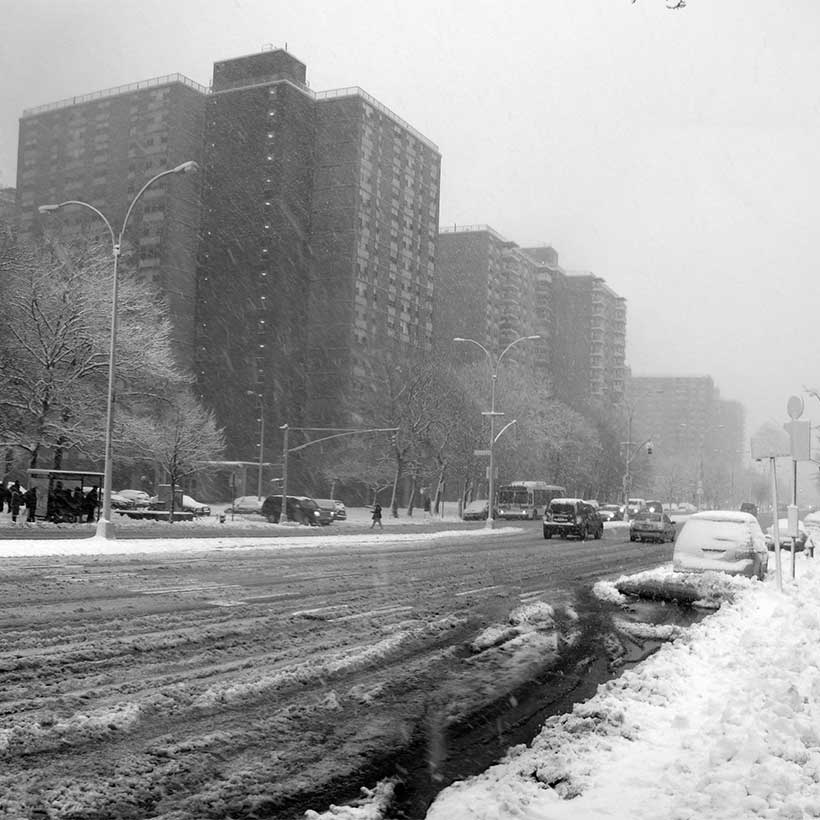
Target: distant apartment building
pixel 320 219
pixel 101 148
pixel 488 290
pixel 491 290
pixel 589 350
pixel 687 421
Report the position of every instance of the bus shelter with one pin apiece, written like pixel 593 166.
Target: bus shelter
pixel 66 495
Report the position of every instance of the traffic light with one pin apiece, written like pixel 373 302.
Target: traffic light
pixel 649 446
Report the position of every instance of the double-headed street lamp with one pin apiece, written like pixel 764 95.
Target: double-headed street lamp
pixel 105 528
pixel 494 363
pixel 261 441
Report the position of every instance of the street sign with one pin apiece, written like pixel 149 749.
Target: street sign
pixel 794 407
pixel 481 452
pixel 799 439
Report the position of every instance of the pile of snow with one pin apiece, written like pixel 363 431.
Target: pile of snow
pixel 722 723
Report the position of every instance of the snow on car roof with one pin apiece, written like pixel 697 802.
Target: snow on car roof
pixel 723 515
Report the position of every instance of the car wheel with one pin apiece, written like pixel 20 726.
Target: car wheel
pixel 547 535
pixel 633 538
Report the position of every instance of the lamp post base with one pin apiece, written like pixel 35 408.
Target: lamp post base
pixel 105 529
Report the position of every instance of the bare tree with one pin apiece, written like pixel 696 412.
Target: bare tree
pixel 178 435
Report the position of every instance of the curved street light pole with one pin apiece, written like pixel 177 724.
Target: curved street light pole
pixel 105 527
pixel 494 363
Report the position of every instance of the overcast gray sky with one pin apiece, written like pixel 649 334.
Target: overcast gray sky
pixel 674 153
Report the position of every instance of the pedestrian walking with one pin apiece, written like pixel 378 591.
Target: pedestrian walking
pixel 377 517
pixel 30 500
pixel 15 499
pixel 427 512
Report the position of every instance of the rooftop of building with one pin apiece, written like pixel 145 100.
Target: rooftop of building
pixel 155 82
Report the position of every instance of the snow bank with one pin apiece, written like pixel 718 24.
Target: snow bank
pixel 722 723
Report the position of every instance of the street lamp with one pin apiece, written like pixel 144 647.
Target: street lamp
pixel 261 441
pixel 494 363
pixel 105 528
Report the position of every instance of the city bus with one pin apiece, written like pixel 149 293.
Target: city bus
pixel 526 499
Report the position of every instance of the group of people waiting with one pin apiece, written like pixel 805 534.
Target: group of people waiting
pixel 62 504
pixel 14 497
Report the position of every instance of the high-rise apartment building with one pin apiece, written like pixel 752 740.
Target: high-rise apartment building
pixel 320 219
pixel 698 437
pixel 489 290
pixel 101 148
pixel 309 266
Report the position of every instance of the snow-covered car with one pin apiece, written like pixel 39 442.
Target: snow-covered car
pixel 477 510
pixel 723 541
pixel 137 498
pixel 652 526
pixel 192 505
pixel 785 539
pixel 122 502
pixel 246 505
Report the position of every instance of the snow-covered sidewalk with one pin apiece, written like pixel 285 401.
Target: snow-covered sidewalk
pixel 722 723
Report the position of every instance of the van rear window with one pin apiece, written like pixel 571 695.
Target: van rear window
pixel 562 509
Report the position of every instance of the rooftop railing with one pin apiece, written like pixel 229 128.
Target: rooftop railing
pixel 116 91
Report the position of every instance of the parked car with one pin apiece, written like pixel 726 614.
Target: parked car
pixel 611 512
pixel 300 508
pixel 137 498
pixel 246 505
pixel 724 541
pixel 572 516
pixel 653 506
pixel 652 526
pixel 786 540
pixel 477 510
pixel 327 507
pixel 120 501
pixel 339 509
pixel 193 506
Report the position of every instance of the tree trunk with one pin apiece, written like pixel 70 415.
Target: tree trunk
pixel 394 501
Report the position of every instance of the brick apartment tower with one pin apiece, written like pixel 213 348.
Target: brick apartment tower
pixel 101 148
pixel 489 290
pixel 320 219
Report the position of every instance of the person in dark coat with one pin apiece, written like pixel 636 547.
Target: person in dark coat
pixel 15 499
pixel 4 496
pixel 90 504
pixel 30 500
pixel 377 517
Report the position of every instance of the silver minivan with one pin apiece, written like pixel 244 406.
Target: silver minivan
pixel 723 541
